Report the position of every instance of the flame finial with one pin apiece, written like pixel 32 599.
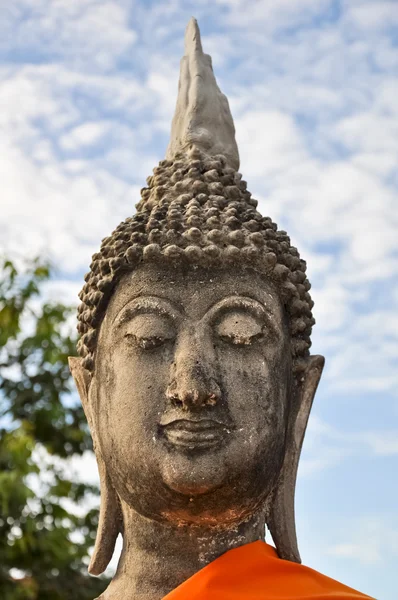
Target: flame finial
pixel 202 117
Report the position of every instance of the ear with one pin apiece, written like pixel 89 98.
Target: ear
pixel 110 519
pixel 281 521
pixel 82 381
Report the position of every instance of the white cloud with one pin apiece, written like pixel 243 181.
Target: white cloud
pixel 372 15
pixel 87 134
pixel 332 306
pixel 368 132
pixel 326 446
pixel 93 33
pixel 66 204
pixel 48 201
pixel 364 553
pixel 381 443
pixel 371 540
pixel 271 15
pixel 278 148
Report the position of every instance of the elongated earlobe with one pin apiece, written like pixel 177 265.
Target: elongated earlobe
pixel 281 520
pixel 110 519
pixel 109 524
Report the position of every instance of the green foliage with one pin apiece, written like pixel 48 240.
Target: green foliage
pixel 41 534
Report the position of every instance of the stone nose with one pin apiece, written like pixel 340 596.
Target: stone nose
pixel 193 382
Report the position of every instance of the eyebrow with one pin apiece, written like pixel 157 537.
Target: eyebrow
pixel 260 310
pixel 146 304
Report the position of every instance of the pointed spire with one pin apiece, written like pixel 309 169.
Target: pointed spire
pixel 202 117
pixel 193 42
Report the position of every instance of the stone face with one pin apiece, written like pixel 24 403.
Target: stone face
pixel 194 390
pixel 195 372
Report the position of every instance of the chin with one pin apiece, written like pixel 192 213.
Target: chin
pixel 207 492
pixel 194 472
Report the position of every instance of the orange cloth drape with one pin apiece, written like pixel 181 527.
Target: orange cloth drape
pixel 255 572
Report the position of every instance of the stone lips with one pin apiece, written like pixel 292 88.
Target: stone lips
pixel 197 210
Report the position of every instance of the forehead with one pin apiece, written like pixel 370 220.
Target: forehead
pixel 194 290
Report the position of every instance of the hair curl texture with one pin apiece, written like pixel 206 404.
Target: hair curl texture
pixel 196 209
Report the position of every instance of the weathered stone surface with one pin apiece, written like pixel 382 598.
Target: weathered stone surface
pixel 202 117
pixel 195 372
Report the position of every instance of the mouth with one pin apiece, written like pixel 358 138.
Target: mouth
pixel 191 435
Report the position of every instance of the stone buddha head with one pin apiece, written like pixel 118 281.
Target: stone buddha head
pixel 195 322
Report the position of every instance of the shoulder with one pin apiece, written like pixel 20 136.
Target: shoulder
pixel 299 582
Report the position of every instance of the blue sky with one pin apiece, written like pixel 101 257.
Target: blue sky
pixel 87 92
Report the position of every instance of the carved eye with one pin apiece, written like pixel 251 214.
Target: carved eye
pixel 149 331
pixel 239 329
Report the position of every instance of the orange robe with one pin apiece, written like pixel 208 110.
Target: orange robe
pixel 255 572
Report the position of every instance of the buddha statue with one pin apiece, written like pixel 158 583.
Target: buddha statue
pixel 195 374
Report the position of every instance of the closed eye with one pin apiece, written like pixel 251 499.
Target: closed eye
pixel 149 330
pixel 239 329
pixel 239 340
pixel 146 343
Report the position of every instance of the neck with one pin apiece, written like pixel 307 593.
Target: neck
pixel 157 557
